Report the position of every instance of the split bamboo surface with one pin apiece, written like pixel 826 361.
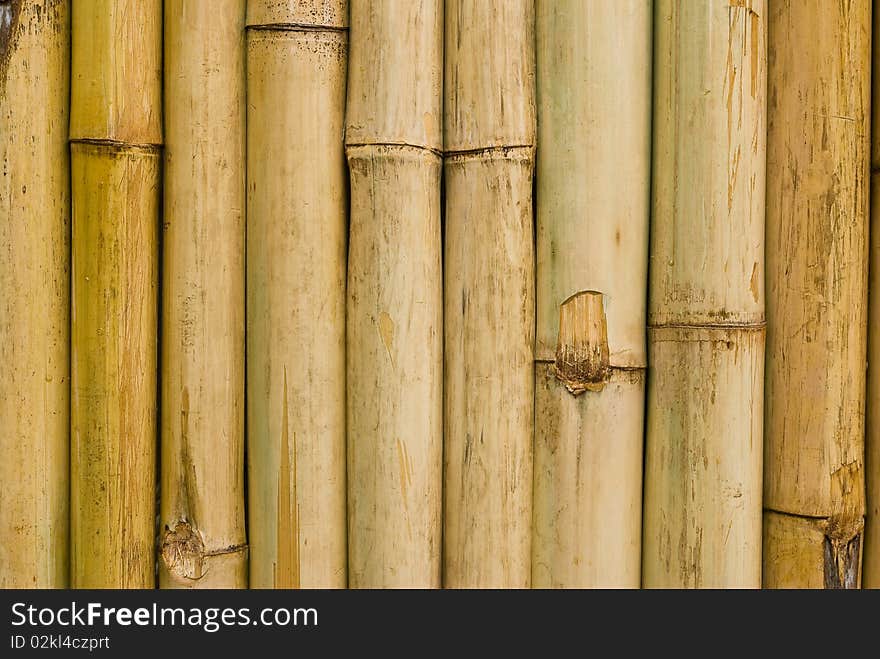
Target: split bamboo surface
pixel 817 232
pixel 871 554
pixel 202 525
pixel 702 500
pixel 395 294
pixel 489 311
pixel 115 133
pixel 594 131
pixel 34 294
pixel 296 268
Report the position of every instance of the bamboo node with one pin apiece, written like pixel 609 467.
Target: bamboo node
pixel 183 551
pixel 582 358
pixel 841 561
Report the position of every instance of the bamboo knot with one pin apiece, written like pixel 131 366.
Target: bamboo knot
pixel 582 358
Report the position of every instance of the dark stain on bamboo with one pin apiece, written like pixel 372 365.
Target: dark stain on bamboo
pixel 10 12
pixel 841 562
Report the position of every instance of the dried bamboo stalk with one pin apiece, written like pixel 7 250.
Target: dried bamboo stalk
pixel 702 510
pixel 871 556
pixel 817 231
pixel 594 131
pixel 489 135
pixel 202 430
pixel 395 294
pixel 296 261
pixel 34 294
pixel 115 132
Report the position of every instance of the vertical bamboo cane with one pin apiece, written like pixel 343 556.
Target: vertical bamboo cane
pixel 296 264
pixel 871 560
pixel 702 507
pixel 34 289
pixel 594 128
pixel 395 293
pixel 202 507
pixel 817 230
pixel 489 135
pixel 115 132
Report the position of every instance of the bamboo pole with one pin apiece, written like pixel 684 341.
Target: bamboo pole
pixel 296 261
pixel 871 560
pixel 395 294
pixel 594 131
pixel 34 290
pixel 115 132
pixel 702 502
pixel 202 482
pixel 817 231
pixel 489 135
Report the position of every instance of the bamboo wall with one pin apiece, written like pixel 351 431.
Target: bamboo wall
pixel 439 293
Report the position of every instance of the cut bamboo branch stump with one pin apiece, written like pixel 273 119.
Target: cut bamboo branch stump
pixel 871 560
pixel 115 133
pixel 202 531
pixel 817 231
pixel 395 294
pixel 702 502
pixel 296 269
pixel 34 294
pixel 594 131
pixel 489 313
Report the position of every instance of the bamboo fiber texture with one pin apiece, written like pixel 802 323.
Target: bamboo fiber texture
pixel 202 525
pixel 115 130
pixel 395 294
pixel 817 232
pixel 489 313
pixel 34 294
pixel 296 268
pixel 871 555
pixel 702 502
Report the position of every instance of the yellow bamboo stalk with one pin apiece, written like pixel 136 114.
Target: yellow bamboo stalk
pixel 871 559
pixel 702 501
pixel 296 247
pixel 202 531
pixel 817 231
pixel 594 131
pixel 115 130
pixel 34 294
pixel 489 135
pixel 395 294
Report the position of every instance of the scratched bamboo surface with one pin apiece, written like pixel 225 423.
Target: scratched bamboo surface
pixel 817 231
pixel 489 309
pixel 115 133
pixel 202 525
pixel 702 502
pixel 594 132
pixel 395 294
pixel 296 268
pixel 871 554
pixel 34 294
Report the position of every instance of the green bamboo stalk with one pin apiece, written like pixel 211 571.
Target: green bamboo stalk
pixel 115 135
